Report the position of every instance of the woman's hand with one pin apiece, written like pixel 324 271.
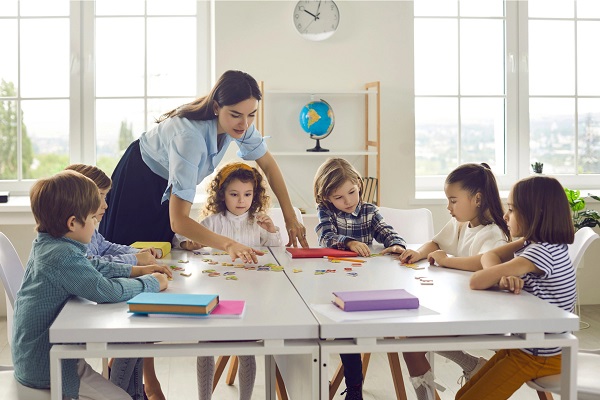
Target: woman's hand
pixel 244 253
pixel 359 247
pixel 297 234
pixel 150 250
pixel 162 280
pixel 265 222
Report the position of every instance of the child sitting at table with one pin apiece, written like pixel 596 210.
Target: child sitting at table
pixel 100 248
pixel 236 207
pixel 64 206
pixel 476 226
pixel 345 222
pixel 538 263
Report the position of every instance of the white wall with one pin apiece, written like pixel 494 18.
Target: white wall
pixel 258 37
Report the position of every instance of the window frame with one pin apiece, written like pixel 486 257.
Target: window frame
pixel 82 96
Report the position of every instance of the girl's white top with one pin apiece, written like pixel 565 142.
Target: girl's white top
pixel 460 240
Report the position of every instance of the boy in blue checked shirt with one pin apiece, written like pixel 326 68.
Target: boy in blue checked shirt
pixel 64 207
pixel 345 222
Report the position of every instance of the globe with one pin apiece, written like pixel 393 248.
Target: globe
pixel 317 119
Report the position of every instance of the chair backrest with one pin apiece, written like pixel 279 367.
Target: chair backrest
pixel 276 215
pixel 414 225
pixel 11 268
pixel 583 238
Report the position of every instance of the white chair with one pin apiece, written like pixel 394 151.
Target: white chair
pixel 588 361
pixel 277 216
pixel 588 384
pixel 11 273
pixel 414 225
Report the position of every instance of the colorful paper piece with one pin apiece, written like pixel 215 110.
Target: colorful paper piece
pixel 231 278
pixel 208 271
pixel 183 261
pixel 214 274
pixel 320 272
pixel 176 268
pixel 296 270
pixel 186 274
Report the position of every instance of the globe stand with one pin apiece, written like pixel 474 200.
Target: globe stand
pixel 317 148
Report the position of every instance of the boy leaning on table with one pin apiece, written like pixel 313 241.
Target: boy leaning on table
pixel 63 207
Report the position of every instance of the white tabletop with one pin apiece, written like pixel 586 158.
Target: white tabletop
pixel 448 307
pixel 274 310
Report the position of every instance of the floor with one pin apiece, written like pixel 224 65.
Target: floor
pixel 178 377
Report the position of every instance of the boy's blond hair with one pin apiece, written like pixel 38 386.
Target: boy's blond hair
pixel 94 173
pixel 332 174
pixel 54 200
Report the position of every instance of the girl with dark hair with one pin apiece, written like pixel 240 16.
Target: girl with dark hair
pixel 477 226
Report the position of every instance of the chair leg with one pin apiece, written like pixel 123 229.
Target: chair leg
pixel 105 368
pixel 280 385
pixel 366 357
pixel 544 395
pixel 219 368
pixel 233 367
pixel 394 361
pixel 336 380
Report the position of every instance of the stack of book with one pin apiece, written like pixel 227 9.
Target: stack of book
pixel 372 300
pixel 173 303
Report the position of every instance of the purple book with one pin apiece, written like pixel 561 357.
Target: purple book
pixel 371 300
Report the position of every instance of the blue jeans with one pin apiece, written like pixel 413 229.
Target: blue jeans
pixel 352 369
pixel 126 373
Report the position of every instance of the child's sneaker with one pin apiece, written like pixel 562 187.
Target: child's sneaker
pixel 353 393
pixel 466 376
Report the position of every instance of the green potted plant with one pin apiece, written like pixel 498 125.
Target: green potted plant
pixel 582 217
pixel 537 167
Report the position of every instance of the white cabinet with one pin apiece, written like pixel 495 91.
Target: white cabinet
pixel 355 136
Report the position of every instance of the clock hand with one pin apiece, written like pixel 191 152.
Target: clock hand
pixel 315 16
pixel 318 7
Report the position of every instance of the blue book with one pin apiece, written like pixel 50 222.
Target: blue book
pixel 173 303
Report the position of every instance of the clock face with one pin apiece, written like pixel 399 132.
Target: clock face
pixel 316 19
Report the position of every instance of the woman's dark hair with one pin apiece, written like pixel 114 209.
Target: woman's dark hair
pixel 479 178
pixel 231 88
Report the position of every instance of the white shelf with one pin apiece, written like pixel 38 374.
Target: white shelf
pixel 324 153
pixel 321 92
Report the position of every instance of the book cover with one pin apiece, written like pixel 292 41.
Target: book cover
pixel 318 252
pixel 225 309
pixel 371 300
pixel 4 197
pixel 163 247
pixel 173 303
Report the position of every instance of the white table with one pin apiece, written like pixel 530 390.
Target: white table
pixel 451 316
pixel 276 322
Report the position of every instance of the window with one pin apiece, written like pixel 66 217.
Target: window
pixel 484 93
pixel 81 80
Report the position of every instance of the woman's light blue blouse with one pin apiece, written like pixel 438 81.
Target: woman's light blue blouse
pixel 184 152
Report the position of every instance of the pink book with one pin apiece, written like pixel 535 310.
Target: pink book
pixel 318 252
pixel 371 300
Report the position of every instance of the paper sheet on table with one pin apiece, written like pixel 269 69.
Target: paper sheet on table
pixel 336 314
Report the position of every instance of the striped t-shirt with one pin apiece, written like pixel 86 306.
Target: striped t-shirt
pixel 556 283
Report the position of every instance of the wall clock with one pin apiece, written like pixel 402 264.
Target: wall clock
pixel 316 19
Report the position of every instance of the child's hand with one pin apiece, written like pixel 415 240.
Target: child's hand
pixel 162 280
pixel 265 222
pixel 190 245
pixel 244 253
pixel 410 256
pixel 511 283
pixel 137 270
pixel 359 247
pixel 150 250
pixel 393 249
pixel 145 258
pixel 437 257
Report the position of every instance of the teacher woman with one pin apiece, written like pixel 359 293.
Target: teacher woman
pixel 155 181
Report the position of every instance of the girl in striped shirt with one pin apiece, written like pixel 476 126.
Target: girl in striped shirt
pixel 538 263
